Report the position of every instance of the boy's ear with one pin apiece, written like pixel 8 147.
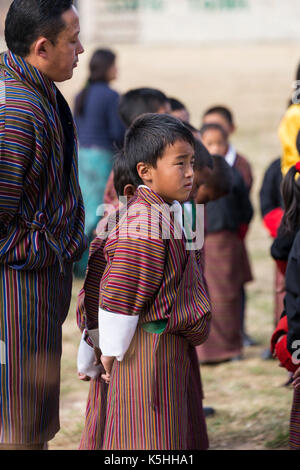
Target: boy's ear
pixel 144 171
pixel 129 190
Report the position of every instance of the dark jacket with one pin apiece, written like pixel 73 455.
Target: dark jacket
pixel 100 124
pixel 231 211
pixel 270 194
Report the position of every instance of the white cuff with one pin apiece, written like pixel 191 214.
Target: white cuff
pixel 85 360
pixel 115 333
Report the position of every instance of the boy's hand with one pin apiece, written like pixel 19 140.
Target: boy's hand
pixel 107 362
pixel 83 377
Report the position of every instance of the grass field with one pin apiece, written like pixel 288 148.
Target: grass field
pixel 252 406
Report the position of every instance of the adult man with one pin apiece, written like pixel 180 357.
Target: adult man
pixel 41 214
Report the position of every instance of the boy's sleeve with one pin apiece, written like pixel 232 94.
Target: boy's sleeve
pixel 129 284
pixel 88 297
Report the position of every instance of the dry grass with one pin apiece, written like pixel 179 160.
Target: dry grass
pixel 252 406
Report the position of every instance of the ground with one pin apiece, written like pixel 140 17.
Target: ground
pixel 252 405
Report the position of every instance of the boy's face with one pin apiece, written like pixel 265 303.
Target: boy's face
pixel 173 176
pixel 200 178
pixel 216 118
pixel 181 114
pixel 207 192
pixel 215 142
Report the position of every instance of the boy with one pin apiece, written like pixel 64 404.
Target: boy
pixel 134 103
pixel 225 268
pixel 223 116
pixel 153 305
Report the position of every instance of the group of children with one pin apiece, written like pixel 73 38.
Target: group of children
pixel 150 309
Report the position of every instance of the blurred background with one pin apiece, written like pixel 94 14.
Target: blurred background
pixel 242 54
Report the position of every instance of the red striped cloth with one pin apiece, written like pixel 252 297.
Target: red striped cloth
pixel 156 279
pixel 41 233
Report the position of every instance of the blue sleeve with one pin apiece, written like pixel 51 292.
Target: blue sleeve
pixel 115 125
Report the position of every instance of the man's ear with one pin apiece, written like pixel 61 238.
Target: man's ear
pixel 144 171
pixel 41 48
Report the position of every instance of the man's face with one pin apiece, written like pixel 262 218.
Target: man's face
pixel 62 56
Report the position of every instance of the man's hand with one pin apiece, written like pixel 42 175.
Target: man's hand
pixel 107 362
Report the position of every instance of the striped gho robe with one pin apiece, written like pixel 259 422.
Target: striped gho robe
pixel 153 311
pixel 41 234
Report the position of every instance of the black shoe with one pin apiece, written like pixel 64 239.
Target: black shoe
pixel 208 411
pixel 248 341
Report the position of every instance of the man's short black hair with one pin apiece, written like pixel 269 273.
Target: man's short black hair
pixel 122 173
pixel 27 20
pixel 223 110
pixel 139 101
pixel 213 126
pixel 149 135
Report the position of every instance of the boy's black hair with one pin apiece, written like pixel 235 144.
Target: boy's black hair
pixel 139 101
pixel 176 104
pixel 122 173
pixel 221 178
pixel 223 110
pixel 213 126
pixel 290 188
pixel 202 157
pixel 148 136
pixel 27 20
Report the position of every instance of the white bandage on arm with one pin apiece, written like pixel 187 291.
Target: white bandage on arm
pixel 116 332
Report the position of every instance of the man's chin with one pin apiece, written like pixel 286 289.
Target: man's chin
pixel 64 78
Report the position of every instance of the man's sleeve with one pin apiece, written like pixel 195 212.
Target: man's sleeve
pixel 21 144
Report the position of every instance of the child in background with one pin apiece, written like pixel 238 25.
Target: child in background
pixel 87 319
pixel 179 110
pixel 134 103
pixel 223 116
pixel 152 328
pixel 227 219
pixel 271 206
pixel 285 339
